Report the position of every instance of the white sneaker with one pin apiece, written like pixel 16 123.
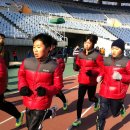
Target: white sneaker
pixel 53 109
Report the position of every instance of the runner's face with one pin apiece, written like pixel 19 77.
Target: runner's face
pixel 39 49
pixel 116 51
pixel 2 40
pixel 88 45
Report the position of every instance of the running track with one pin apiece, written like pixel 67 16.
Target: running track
pixel 64 119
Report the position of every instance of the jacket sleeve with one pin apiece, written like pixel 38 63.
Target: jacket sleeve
pixel 75 51
pixel 57 82
pixel 3 74
pixel 126 77
pixel 61 62
pixel 96 70
pixel 6 58
pixel 22 77
pixel 100 64
pixel 76 64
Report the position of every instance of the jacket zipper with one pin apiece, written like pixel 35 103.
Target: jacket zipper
pixel 113 63
pixel 111 70
pixel 35 77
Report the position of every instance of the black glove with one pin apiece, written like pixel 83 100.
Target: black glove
pixel 89 73
pixel 41 91
pixel 25 91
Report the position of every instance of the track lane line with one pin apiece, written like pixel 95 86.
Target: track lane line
pixel 24 110
pixel 9 118
pixel 70 127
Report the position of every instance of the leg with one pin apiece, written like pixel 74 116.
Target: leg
pixel 63 99
pixel 9 107
pixel 16 58
pixel 66 58
pixel 61 96
pixel 92 97
pixel 91 94
pixel 37 117
pixel 104 107
pixel 81 93
pixel 115 106
pixel 12 110
pixel 28 117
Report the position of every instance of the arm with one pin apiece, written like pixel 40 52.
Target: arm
pixel 100 64
pixel 61 62
pixel 3 73
pixel 57 83
pixel 126 77
pixel 22 77
pixel 76 64
pixel 76 51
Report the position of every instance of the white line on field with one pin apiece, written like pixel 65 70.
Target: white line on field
pixel 24 110
pixel 71 76
pixel 69 128
pixel 9 119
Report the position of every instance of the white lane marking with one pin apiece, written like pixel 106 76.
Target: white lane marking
pixel 75 75
pixel 24 110
pixel 82 115
pixel 9 119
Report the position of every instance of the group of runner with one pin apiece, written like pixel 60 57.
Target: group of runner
pixel 41 77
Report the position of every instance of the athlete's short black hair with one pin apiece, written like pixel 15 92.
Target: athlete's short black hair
pixel 93 38
pixel 2 35
pixel 45 38
pixel 54 42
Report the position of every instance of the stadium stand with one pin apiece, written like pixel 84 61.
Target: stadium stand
pixel 45 7
pixel 123 18
pixel 123 33
pixel 79 17
pixel 9 30
pixel 31 24
pixel 85 14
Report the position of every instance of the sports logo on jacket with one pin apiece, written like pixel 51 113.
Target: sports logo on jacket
pixel 118 65
pixel 44 70
pixel 89 58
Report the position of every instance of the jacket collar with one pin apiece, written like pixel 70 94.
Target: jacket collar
pixel 118 57
pixel 44 59
pixel 89 52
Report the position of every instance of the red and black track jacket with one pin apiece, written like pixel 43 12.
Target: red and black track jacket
pixel 33 74
pixel 84 63
pixel 111 88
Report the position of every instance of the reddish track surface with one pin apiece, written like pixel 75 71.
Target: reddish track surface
pixel 64 119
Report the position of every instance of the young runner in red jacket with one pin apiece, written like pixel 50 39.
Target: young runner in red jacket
pixel 5 105
pixel 60 60
pixel 39 79
pixel 115 77
pixel 86 64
